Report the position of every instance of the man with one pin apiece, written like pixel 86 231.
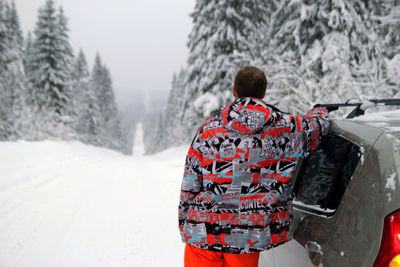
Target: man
pixel 236 195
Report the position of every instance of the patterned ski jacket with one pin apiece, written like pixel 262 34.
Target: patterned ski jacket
pixel 236 189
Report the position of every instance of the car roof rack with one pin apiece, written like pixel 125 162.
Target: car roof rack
pixel 361 105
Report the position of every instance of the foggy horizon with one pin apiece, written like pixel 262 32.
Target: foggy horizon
pixel 142 43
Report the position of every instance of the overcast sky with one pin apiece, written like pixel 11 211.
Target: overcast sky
pixel 142 42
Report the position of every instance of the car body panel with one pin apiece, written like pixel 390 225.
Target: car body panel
pixel 369 201
pixel 351 237
pixel 288 254
pixel 359 229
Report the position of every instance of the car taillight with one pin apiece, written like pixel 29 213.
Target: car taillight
pixel 389 252
pixel 395 262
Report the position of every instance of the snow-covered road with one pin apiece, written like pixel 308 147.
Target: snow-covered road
pixel 68 204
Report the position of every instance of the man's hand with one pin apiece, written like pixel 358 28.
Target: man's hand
pixel 327 107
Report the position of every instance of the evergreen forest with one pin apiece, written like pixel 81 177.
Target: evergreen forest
pixel 312 52
pixel 47 91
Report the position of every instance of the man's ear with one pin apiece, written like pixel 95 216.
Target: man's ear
pixel 234 92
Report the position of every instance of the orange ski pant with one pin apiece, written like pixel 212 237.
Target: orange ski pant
pixel 197 257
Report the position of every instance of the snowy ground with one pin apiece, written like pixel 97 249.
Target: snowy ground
pixel 68 204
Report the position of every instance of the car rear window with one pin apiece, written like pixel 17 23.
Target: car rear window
pixel 323 177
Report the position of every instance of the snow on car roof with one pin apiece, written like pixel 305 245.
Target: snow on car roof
pixel 386 120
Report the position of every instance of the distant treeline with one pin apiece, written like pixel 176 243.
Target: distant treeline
pixel 47 92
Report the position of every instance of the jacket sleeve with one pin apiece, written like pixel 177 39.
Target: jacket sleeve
pixel 192 180
pixel 315 126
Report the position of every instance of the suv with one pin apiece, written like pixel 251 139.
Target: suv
pixel 347 196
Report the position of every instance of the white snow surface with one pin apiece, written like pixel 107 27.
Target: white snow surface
pixel 68 204
pixel 362 150
pixel 391 185
pixel 391 182
pixel 388 120
pixel 385 116
pixel 138 147
pixel 313 207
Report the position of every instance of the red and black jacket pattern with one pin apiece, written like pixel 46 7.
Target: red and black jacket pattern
pixel 236 189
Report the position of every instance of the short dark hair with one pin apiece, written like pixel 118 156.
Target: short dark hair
pixel 250 82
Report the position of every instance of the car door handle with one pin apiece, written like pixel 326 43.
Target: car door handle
pixel 313 247
pixel 314 252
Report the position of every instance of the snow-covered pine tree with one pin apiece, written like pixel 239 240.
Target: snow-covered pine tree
pixel 5 94
pixel 175 110
pixel 324 51
pixel 50 74
pixel 13 25
pixel 80 70
pixel 226 35
pixel 298 38
pixel 15 82
pixel 94 105
pixel 386 22
pixel 3 33
pixel 387 18
pixel 106 125
pixel 66 58
pixel 12 76
pixel 223 38
pixel 83 100
pixel 28 61
pixel 168 129
pixel 287 88
pixel 367 59
pixel 312 51
pixel 367 63
pixel 110 113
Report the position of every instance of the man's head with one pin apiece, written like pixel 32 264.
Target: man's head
pixel 250 82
